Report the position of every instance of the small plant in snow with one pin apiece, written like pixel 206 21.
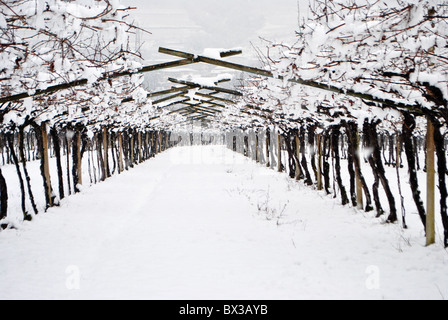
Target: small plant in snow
pixel 269 212
pixel 403 241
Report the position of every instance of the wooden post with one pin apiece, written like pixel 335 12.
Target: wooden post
pixel 320 185
pixel 398 166
pixel 359 190
pixel 46 166
pixel 68 143
pixel 120 151
pixel 431 182
pixel 106 152
pixel 279 142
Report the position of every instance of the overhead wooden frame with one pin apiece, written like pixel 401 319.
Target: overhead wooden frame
pixel 209 101
pixel 211 88
pixel 168 98
pixel 182 92
pixel 111 76
pixel 268 74
pixel 210 96
pixel 201 107
pixel 198 104
pixel 173 89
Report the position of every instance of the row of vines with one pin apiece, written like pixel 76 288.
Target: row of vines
pixel 365 81
pixel 335 161
pixel 106 152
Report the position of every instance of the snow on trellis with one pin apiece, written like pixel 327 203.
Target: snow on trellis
pixel 336 90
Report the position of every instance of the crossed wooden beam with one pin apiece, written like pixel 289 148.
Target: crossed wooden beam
pixel 199 106
pixel 188 58
pixel 307 83
pixel 111 76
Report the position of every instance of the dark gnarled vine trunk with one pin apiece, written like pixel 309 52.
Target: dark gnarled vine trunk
pixel 289 140
pixel 311 143
pixel 10 138
pixel 57 151
pixel 326 164
pixel 308 180
pixel 410 150
pixel 335 136
pixel 21 137
pixel 351 171
pixel 379 168
pixel 442 167
pixel 370 159
pixel 3 198
pixel 352 132
pixel 77 175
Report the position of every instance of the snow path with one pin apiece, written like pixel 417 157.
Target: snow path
pixel 206 223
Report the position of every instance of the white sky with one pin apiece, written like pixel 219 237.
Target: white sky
pixel 195 25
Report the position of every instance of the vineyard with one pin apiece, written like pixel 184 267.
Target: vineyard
pixel 355 109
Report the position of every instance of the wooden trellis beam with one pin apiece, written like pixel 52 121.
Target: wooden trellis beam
pixel 190 56
pixel 201 105
pixel 181 94
pixel 204 108
pixel 83 82
pixel 209 109
pixel 194 110
pixel 107 77
pixel 161 93
pixel 208 102
pixel 196 113
pixel 182 90
pixel 154 118
pixel 188 112
pixel 211 88
pixel 210 96
pixel 168 91
pixel 198 118
pixel 179 110
pixel 175 103
pixel 308 83
pixel 204 113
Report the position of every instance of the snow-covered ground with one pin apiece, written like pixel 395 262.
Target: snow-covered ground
pixel 207 223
